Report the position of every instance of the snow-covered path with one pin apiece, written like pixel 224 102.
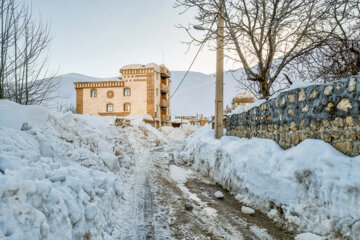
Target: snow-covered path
pixel 161 190
pixel 142 199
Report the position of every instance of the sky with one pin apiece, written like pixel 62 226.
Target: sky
pixel 98 37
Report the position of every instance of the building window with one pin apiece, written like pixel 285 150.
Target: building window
pixel 127 107
pixel 110 107
pixel 93 93
pixel 127 92
pixel 157 92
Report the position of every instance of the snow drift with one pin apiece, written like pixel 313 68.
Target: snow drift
pixel 63 176
pixel 311 186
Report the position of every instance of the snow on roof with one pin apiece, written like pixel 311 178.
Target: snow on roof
pixel 137 66
pixel 245 95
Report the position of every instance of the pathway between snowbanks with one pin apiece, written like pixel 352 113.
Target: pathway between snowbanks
pixel 312 185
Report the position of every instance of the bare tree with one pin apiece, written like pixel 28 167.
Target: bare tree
pixel 339 55
pixel 264 36
pixel 66 107
pixel 6 18
pixel 23 76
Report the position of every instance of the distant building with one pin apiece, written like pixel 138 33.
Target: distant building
pixel 243 99
pixel 141 89
pixel 192 120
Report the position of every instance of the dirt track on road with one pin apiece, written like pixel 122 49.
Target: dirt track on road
pixel 210 218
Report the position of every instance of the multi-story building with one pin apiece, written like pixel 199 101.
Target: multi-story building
pixel 141 89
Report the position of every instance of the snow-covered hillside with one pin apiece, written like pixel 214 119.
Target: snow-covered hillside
pixel 195 96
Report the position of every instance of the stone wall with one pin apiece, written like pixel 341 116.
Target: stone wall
pixel 328 111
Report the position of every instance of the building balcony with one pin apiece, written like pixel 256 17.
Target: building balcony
pixel 164 89
pixel 165 73
pixel 164 103
pixel 165 118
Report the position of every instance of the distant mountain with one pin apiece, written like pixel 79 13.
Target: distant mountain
pixel 65 93
pixel 196 95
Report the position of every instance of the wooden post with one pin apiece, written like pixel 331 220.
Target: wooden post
pixel 219 108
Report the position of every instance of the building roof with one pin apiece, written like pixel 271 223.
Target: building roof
pixel 245 95
pixel 139 66
pixel 99 84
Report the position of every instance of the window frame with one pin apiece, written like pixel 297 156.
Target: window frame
pixel 112 107
pixel 125 90
pixel 91 92
pixel 127 104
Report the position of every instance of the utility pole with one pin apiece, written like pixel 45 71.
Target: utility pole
pixel 219 107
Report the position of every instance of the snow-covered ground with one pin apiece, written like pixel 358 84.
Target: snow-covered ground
pixel 311 187
pixel 178 134
pixel 67 176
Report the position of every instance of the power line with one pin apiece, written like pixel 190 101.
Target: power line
pixel 192 63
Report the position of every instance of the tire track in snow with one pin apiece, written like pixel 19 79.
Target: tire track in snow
pixel 142 199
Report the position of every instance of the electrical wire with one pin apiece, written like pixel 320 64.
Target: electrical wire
pixel 193 61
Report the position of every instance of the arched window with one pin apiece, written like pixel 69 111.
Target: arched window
pixel 127 92
pixel 109 107
pixel 93 93
pixel 127 107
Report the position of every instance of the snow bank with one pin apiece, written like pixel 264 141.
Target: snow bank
pixel 309 236
pixel 178 134
pixel 14 115
pixel 139 119
pixel 64 177
pixel 312 185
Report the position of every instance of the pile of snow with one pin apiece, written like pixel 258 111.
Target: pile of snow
pixel 64 176
pixel 139 119
pixel 247 210
pixel 316 187
pixel 178 134
pixel 179 174
pixel 13 115
pixel 309 236
pixel 219 195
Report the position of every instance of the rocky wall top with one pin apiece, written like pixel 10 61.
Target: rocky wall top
pixel 315 102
